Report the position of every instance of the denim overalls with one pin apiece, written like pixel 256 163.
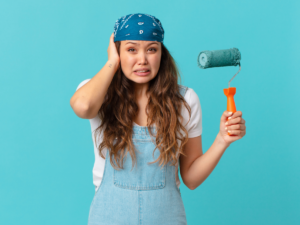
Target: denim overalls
pixel 145 195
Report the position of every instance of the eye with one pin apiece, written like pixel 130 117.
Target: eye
pixel 154 49
pixel 149 49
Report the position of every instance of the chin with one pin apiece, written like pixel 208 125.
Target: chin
pixel 141 80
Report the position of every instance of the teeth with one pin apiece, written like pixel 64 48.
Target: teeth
pixel 141 70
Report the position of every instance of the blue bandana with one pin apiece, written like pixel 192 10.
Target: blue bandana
pixel 139 26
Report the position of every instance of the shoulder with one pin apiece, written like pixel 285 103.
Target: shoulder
pixel 194 125
pixel 189 94
pixel 192 95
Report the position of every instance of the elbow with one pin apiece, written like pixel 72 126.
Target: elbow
pixel 190 186
pixel 80 109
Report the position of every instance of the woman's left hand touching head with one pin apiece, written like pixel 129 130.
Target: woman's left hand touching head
pixel 235 126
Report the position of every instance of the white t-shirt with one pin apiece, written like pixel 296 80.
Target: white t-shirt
pixel 194 128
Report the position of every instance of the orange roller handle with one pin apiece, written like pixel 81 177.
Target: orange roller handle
pixel 230 92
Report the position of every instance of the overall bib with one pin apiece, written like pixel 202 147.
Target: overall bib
pixel 145 195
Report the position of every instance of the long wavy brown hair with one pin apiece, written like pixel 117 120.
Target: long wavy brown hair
pixel 163 109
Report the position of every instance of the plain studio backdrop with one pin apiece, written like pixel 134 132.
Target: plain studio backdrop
pixel 46 152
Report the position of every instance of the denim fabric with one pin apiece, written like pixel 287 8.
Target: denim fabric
pixel 144 195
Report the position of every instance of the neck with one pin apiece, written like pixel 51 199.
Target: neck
pixel 140 90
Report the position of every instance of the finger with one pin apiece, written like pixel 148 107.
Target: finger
pixel 236 132
pixel 236 114
pixel 236 127
pixel 243 121
pixel 224 116
pixel 231 121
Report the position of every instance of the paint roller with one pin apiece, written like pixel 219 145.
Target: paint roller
pixel 220 58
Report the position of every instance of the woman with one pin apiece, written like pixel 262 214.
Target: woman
pixel 144 125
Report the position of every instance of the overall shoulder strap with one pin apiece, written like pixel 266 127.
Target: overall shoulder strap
pixel 182 89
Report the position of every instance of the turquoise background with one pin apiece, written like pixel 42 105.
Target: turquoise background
pixel 46 152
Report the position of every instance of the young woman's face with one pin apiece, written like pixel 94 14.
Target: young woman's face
pixel 136 55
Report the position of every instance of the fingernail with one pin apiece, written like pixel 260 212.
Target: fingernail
pixel 229 113
pixel 229 118
pixel 226 123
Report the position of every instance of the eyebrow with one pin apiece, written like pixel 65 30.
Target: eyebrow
pixel 139 44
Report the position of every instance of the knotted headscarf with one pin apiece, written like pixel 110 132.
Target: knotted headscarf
pixel 139 26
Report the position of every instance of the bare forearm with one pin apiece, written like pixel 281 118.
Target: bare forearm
pixel 88 99
pixel 205 164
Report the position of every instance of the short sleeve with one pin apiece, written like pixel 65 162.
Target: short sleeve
pixel 194 127
pixel 82 83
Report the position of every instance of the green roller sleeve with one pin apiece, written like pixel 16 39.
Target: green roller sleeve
pixel 218 58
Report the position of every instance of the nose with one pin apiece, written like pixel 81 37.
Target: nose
pixel 143 58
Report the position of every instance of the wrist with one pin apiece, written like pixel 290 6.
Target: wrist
pixel 220 141
pixel 112 64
